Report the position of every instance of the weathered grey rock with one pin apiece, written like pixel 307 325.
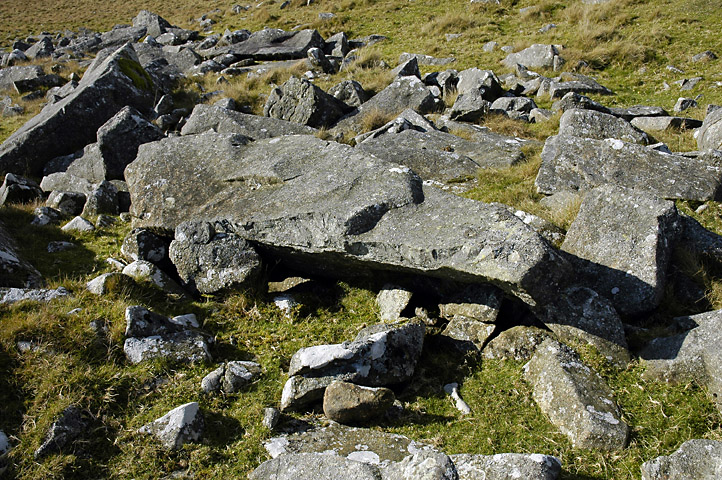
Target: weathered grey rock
pixel 392 300
pixel 698 459
pixel 65 430
pixel 271 417
pixel 439 156
pixel 108 282
pixel 103 199
pixel 299 391
pixel 12 295
pixel 10 75
pixel 684 104
pixel 17 189
pixel 517 343
pixel 317 60
pixel 535 56
pixel 638 111
pixel 373 216
pixel 422 59
pixel 361 444
pixel 407 120
pixel 380 355
pixel 47 216
pixel 31 85
pixel 512 105
pixel 470 334
pixel 4 449
pixel 546 229
pixel 143 244
pixel 575 100
pixel 154 24
pixel 658 124
pixel 221 120
pixel 212 260
pixel 690 356
pixel 300 101
pixel 482 81
pixel 337 45
pixel 469 107
pixel 575 398
pixel 312 466
pixel 349 92
pixel 575 164
pixel 211 383
pixel 583 316
pixel 186 346
pixel 598 125
pixel 710 134
pixel 574 82
pixel 144 271
pixel 539 115
pixel 181 425
pixel 407 68
pixel 402 93
pixel 69 124
pixel 275 44
pixel 426 465
pixel 704 56
pixel 239 374
pixel 55 247
pixel 627 237
pixel 68 203
pixel 503 466
pixel 347 403
pixel 699 241
pixel 78 224
pixel 120 35
pixel 475 302
pixel 43 48
pixel 141 322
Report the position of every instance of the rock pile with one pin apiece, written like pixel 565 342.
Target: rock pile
pixel 217 196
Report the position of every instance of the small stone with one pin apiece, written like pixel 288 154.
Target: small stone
pixel 271 417
pixel 54 247
pixel 211 383
pixel 62 432
pixel 391 301
pixel 78 224
pixel 108 282
pixel 347 403
pixel 179 426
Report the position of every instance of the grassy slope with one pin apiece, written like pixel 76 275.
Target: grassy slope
pixel 617 39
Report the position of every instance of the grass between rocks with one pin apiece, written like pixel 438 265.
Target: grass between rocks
pixel 627 45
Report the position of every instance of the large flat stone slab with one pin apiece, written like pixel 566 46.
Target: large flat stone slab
pixel 331 209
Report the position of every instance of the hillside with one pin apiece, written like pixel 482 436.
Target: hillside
pixel 305 230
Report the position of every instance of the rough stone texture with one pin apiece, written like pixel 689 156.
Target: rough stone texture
pixel 78 224
pixel 581 315
pixel 425 59
pixel 69 124
pixel 658 124
pixel 179 426
pixel 574 82
pixel 185 346
pixel 17 189
pixel 710 134
pixel 575 100
pixel 15 271
pixel 221 120
pixel 347 403
pixel 231 377
pixel 108 282
pixel 638 111
pixel 627 238
pixel 695 459
pixel 275 44
pixel 484 82
pixel 327 207
pixel 575 398
pixel 103 199
pixel 362 444
pixel 698 240
pixel 313 466
pixel 68 203
pixel 10 75
pixel 402 93
pixel 424 465
pixel 210 260
pixel 513 106
pixel 576 164
pixel 299 392
pixel 406 68
pixel 380 355
pixel 505 466
pixel 68 427
pixel 535 56
pixel 472 313
pixel 144 271
pixel 470 334
pixel 155 24
pixel 517 343
pixel 12 295
pixel 690 356
pixel 144 244
pixel 546 229
pixel 469 107
pixel 391 301
pixel 407 120
pixel 598 125
pixel 349 92
pixel 300 101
